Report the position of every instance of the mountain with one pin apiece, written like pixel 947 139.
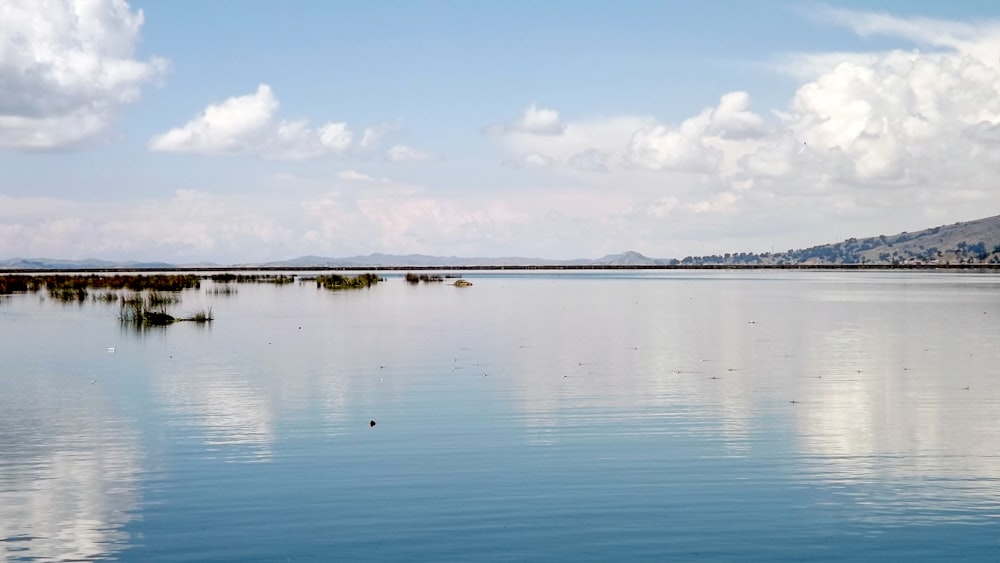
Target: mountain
pixel 969 242
pixel 630 258
pixel 49 263
pixel 85 264
pixel 422 260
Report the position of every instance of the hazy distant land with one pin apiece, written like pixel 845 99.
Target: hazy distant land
pixel 960 244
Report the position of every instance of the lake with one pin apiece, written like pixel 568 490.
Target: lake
pixel 540 416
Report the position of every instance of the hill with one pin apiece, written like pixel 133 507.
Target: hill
pixel 970 242
pixel 630 258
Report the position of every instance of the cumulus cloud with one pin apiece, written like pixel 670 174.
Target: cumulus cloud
pixel 686 147
pixel 868 143
pixel 733 118
pixel 67 69
pixel 247 125
pixel 538 121
pixel 893 120
pixel 896 139
pixel 608 144
pixel 661 148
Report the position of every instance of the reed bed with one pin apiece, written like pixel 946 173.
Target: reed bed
pixel 275 279
pixel 150 309
pixel 427 278
pixel 19 284
pixel 335 281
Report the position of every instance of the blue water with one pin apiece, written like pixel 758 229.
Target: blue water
pixel 543 417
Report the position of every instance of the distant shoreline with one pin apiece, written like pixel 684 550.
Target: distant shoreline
pixel 493 268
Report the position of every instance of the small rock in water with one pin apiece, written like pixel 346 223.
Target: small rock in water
pixel 371 423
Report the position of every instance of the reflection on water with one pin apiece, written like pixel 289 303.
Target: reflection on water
pixel 69 473
pixel 616 415
pixel 233 418
pixel 911 408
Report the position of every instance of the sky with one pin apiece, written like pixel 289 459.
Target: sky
pixel 240 131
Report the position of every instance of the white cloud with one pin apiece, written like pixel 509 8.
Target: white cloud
pixel 661 148
pixel 403 153
pixel 733 118
pixel 538 121
pixel 247 125
pixel 608 144
pixel 67 69
pixel 687 148
pixel 978 40
pixel 334 136
pixel 372 136
pixel 587 146
pixel 869 142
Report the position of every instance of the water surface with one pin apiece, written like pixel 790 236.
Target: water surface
pixel 534 416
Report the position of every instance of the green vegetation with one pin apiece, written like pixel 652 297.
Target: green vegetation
pixel 18 284
pixel 141 310
pixel 201 317
pixel 106 297
pixel 138 282
pixel 276 279
pixel 902 249
pixel 414 278
pixel 334 281
pixel 69 294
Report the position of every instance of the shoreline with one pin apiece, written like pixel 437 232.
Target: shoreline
pixel 985 268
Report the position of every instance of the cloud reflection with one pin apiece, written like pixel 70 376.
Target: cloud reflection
pixel 888 390
pixel 230 415
pixel 68 483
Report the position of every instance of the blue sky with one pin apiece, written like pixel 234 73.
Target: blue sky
pixel 243 131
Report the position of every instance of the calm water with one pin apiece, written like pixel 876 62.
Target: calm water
pixel 541 417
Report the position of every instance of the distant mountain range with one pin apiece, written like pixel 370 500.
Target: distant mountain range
pixel 970 242
pixel 421 260
pixel 85 264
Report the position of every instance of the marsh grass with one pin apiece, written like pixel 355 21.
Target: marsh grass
pixel 201 317
pixel 161 299
pixel 19 284
pixel 132 282
pixel 275 279
pixel 335 281
pixel 69 295
pixel 105 297
pixel 415 278
pixel 151 310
